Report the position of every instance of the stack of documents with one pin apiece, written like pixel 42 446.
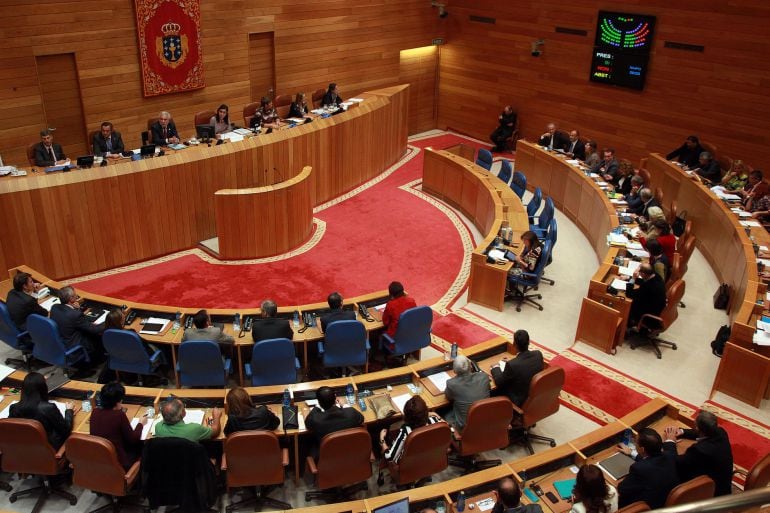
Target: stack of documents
pixel 617 239
pixel 762 335
pixel 629 271
pixel 439 379
pixel 749 223
pixel 146 429
pixel 619 284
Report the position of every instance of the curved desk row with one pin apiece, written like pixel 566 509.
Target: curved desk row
pixel 69 224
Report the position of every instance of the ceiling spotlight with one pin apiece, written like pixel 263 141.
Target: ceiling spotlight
pixel 442 12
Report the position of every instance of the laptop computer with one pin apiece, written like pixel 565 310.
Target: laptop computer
pixel 148 150
pixel 86 161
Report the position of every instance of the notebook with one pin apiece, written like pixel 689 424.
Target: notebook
pixel 565 487
pixel 617 465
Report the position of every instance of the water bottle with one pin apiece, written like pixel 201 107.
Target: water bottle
pixel 150 412
pixel 177 322
pixel 627 437
pixel 350 394
pixel 237 322
pixel 453 353
pixel 361 402
pixel 461 501
pixel 286 398
pixel 295 321
pixel 86 406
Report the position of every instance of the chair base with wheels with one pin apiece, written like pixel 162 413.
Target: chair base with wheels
pixel 116 503
pixel 46 489
pixel 259 500
pixel 520 296
pixel 472 464
pixel 525 437
pixel 649 338
pixel 338 494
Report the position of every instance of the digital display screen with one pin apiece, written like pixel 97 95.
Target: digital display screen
pixel 621 69
pixel 621 49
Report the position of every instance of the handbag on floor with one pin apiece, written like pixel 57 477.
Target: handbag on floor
pixel 718 344
pixel 722 297
pixel 680 222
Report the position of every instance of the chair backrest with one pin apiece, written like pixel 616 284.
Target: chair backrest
pixel 486 427
pixel 25 448
pixel 345 344
pixel 543 398
pixel 282 103
pixel 675 272
pixel 200 364
pixel 759 475
pixel 534 204
pixel 425 453
pixel 674 295
pixel 413 332
pixel 31 153
pixel 645 176
pixel 248 112
pixel 725 163
pixel 659 195
pixel 636 507
pixel 273 362
pixel 709 148
pixel 344 458
pixel 203 117
pixel 552 233
pixel 48 345
pixel 90 141
pixel 547 214
pixel 686 248
pixel 672 212
pixel 519 184
pixel 698 489
pixel 126 351
pixel 95 464
pixel 9 333
pixel 505 171
pixel 687 227
pixel 243 449
pixel 484 159
pixel 317 97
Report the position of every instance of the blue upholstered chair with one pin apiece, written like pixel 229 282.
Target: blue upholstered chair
pixel 544 219
pixel 413 332
pixel 519 184
pixel 126 353
pixel 345 344
pixel 273 363
pixel 484 159
pixel 48 345
pixel 505 171
pixel 550 236
pixel 200 364
pixel 14 338
pixel 534 204
pixel 521 283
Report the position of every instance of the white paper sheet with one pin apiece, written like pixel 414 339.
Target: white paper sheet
pixel 626 271
pixel 486 504
pixel 400 401
pixel 194 416
pixel 439 379
pixel 634 245
pixel 48 303
pixel 764 326
pixel 155 320
pixel 761 338
pixel 146 429
pixel 101 318
pixel 5 371
pixel 619 284
pixel 639 253
pixel 749 223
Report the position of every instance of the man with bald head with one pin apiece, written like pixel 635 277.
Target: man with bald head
pixel 553 139
pixel 509 499
pixel 576 148
pixel 647 293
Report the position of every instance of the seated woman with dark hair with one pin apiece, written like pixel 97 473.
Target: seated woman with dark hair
pixel 416 415
pixel 221 120
pixel 592 494
pixel 116 319
pixel 298 108
pixel 109 421
pixel 266 116
pixel 34 405
pixel 526 261
pixel 242 415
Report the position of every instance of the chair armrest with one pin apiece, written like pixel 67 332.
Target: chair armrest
pixel 311 465
pixel 285 457
pixel 372 459
pixel 321 349
pixel 74 349
pixel 228 366
pixel 388 338
pixel 22 334
pixel 132 473
pixel 296 363
pixel 517 410
pixel 368 345
pixel 155 356
pixel 223 466
pixel 60 453
pixel 247 369
pixel 650 317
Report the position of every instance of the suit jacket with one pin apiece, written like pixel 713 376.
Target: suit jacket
pixel 711 456
pixel 271 327
pixel 610 167
pixel 686 156
pixel 515 379
pixel 623 185
pixel 43 157
pixel 100 144
pixel 259 417
pixel 463 391
pixel 329 100
pixel 20 306
pixel 75 328
pixel 337 315
pixel 560 140
pixel 711 171
pixel 57 428
pixel 156 133
pixel 579 151
pixel 649 480
pixel 296 110
pixel 646 206
pixel 210 333
pixel 649 297
pixel 321 422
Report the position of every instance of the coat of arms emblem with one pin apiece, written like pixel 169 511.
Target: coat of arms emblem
pixel 172 46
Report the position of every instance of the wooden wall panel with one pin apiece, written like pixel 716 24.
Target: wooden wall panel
pixel 419 69
pixel 718 94
pixel 62 105
pixel 261 65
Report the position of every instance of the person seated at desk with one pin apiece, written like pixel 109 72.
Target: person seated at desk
pixel 576 147
pixel 648 201
pixel 116 320
pixel 509 499
pixel 20 301
pixel 173 424
pixel 592 493
pixel 553 139
pixel 708 168
pixel 242 415
pixel 299 108
pixel 506 124
pixel 336 313
pixel 513 381
pixel 415 416
pixel 622 182
pixel 653 474
pixel 266 116
pixel 591 155
pixel 688 153
pixel 463 390
pixel 398 303
pixel 203 330
pixel 526 261
pixel 710 455
pixel 647 293
pixel 737 177
pixel 607 168
pixel 658 259
pixel 109 421
pixel 75 328
pixel 270 325
pixel 33 404
pixel 632 198
pixel 659 229
pixel 163 131
pixel 221 120
pixel 107 142
pixel 332 97
pixel 329 416
pixel 754 190
pixel 48 153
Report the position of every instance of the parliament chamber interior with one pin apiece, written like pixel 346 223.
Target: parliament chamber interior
pixel 404 256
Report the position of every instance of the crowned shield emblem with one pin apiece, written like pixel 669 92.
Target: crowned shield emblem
pixel 172 46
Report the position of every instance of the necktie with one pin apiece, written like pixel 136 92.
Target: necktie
pixel 550 144
pixel 53 155
pixel 109 144
pixel 165 132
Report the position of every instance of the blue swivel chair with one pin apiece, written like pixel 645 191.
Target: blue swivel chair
pixel 126 353
pixel 505 171
pixel 48 345
pixel 484 159
pixel 550 236
pixel 534 204
pixel 544 219
pixel 521 283
pixel 14 338
pixel 200 364
pixel 345 344
pixel 273 362
pixel 413 332
pixel 519 184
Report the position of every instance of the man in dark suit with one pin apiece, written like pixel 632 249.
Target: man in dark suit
pixel 107 142
pixel 708 168
pixel 688 153
pixel 329 416
pixel 648 201
pixel 553 139
pixel 164 131
pixel 513 381
pixel 576 147
pixel 74 326
pixel 47 152
pixel 652 476
pixel 20 301
pixel 647 293
pixel 337 313
pixel 608 166
pixel 270 326
pixel 332 96
pixel 711 454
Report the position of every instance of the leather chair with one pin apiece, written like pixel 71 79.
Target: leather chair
pixel 542 402
pixel 90 141
pixel 486 429
pixel 698 489
pixel 272 363
pixel 241 450
pixel 12 337
pixel 200 364
pixel 675 272
pixel 203 117
pixel 709 148
pixel 345 458
pixel 519 183
pixel 345 344
pixel 759 475
pixel 544 219
pixel 126 353
pixel 521 283
pixel 534 204
pixel 636 507
pixel 413 332
pixel 48 345
pixel 96 467
pixel 725 164
pixel 25 449
pixel 484 159
pixel 282 104
pixel 685 246
pixel 318 97
pixel 425 453
pixel 659 195
pixel 672 212
pixel 552 234
pixel 31 153
pixel 510 143
pixel 645 176
pixel 248 112
pixel 506 171
pixel 650 326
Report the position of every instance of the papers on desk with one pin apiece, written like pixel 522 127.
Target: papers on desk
pixel 146 429
pixel 497 254
pixel 574 162
pixel 101 318
pixel 318 112
pixel 177 146
pixel 400 401
pixel 634 232
pixel 617 239
pixel 48 303
pixel 749 223
pixel 242 131
pixel 502 364
pixel 763 325
pixel 153 326
pixel 380 308
pixel 638 253
pixel 298 121
pixel 761 338
pixel 356 100
pixel 629 270
pixel 619 284
pixel 439 379
pixel 40 294
pixel 194 416
pixel 618 202
pixel 485 504
pixel 231 136
pixel 5 371
pixel 301 422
